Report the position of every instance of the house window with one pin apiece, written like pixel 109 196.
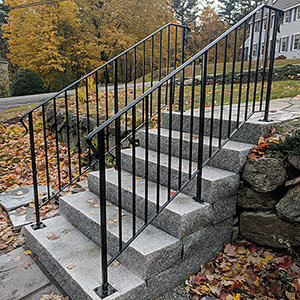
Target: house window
pixel 284 44
pixel 298 13
pixel 256 27
pixel 296 41
pixel 287 16
pixel 262 48
pixel 265 24
pixel 254 50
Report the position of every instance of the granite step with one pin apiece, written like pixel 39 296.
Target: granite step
pixel 231 157
pixel 151 253
pixel 74 261
pixel 180 218
pixel 250 132
pixel 216 183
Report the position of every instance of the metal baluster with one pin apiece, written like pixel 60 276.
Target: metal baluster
pixel 152 61
pixel 192 119
pixel 133 172
pixel 170 137
pixel 181 107
pixel 201 126
pixel 168 58
pixel 105 289
pixel 265 60
pixel 97 97
pixel 158 150
pixel 175 58
pixel 134 74
pixel 126 94
pixel 68 136
pixel 143 75
pixel 38 223
pixel 78 128
pixel 241 77
pixel 160 49
pixel 146 159
pixel 46 151
pixel 271 66
pixel 57 145
pixel 232 83
pixel 118 167
pixel 223 91
pixel 257 60
pixel 106 105
pixel 249 67
pixel 213 101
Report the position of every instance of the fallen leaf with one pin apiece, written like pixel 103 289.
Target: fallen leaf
pixel 20 193
pixel 28 252
pixel 53 237
pixel 22 212
pixel 91 201
pixel 96 205
pixel 115 263
pixel 70 267
pixel 92 212
pixel 26 264
pixel 17 258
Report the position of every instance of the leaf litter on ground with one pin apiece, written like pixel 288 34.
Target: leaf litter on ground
pixel 245 271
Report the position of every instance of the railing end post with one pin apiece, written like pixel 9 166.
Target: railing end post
pixel 104 290
pixel 37 226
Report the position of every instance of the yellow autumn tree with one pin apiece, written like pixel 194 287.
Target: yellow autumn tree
pixel 44 38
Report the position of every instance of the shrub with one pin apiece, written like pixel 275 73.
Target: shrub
pixel 27 82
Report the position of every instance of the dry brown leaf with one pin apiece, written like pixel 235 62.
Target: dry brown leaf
pixel 26 264
pixel 22 212
pixel 28 252
pixel 53 237
pixel 17 258
pixel 70 267
pixel 96 205
pixel 92 212
pixel 91 201
pixel 115 264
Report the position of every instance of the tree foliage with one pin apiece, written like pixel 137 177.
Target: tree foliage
pixel 232 11
pixel 74 37
pixel 185 11
pixel 3 20
pixel 27 82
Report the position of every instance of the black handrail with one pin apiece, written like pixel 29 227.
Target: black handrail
pixel 205 127
pixel 128 62
pixel 99 68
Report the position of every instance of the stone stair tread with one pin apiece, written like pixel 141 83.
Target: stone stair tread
pixel 208 173
pixel 232 145
pixel 181 217
pixel 72 248
pixel 153 238
pixel 154 250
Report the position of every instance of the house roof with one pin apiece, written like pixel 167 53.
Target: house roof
pixel 3 61
pixel 285 4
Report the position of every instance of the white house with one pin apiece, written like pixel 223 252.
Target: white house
pixel 288 40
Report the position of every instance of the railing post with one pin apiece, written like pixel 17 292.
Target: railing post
pixel 201 127
pixel 271 65
pixel 105 289
pixel 38 224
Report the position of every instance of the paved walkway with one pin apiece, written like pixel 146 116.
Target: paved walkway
pixel 11 102
pixel 22 278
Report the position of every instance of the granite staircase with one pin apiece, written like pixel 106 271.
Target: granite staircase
pixel 184 236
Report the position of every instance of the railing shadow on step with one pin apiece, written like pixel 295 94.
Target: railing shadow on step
pixel 61 123
pixel 217 105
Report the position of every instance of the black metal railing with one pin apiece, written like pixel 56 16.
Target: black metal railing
pixel 65 119
pixel 217 110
